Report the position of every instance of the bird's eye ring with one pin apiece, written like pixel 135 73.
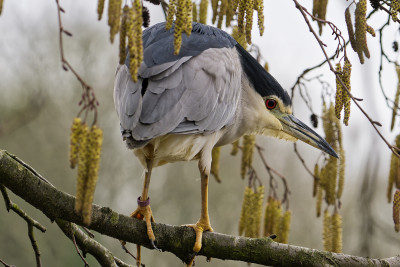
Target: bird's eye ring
pixel 270 104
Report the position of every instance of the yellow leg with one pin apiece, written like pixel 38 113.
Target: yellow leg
pixel 143 211
pixel 203 224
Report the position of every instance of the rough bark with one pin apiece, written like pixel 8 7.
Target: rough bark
pixel 55 204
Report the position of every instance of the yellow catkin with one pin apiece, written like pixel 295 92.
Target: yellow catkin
pixel 322 13
pixel 83 159
pixel 179 25
pixel 283 236
pixel 397 176
pixel 249 142
pixel 259 4
pixel 316 180
pixel 221 12
pixel 361 30
pixel 249 215
pixel 114 14
pixel 332 164
pixel 123 34
pixel 214 6
pixel 95 140
pixel 134 33
pixel 133 50
pixel 276 217
pixel 241 14
pixel 233 5
pixel 342 167
pixel 371 30
pixel 327 231
pixel 336 232
pixel 249 19
pixel 248 192
pixel 235 148
pixel 396 210
pixel 203 11
pixel 239 37
pixel 257 211
pixel 392 173
pixel 346 98
pixel 215 163
pixel 188 18
pixel 339 92
pixel 75 136
pixel 100 8
pixel 194 12
pixel 350 29
pixel 171 14
pixel 327 126
pixel 322 9
pixel 268 216
pixel 230 13
pixel 319 200
pixel 341 161
pixel 396 99
pixel 272 219
pixel 330 189
pixel 316 4
pixel 395 9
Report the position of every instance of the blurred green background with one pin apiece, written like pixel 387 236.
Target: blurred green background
pixel 38 101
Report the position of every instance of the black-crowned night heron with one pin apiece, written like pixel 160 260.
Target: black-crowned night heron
pixel 209 95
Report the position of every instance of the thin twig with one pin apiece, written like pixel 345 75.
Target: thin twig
pixel 270 169
pixel 27 218
pixel 77 249
pixel 302 160
pixel 88 232
pixel 5 264
pixel 123 244
pixel 31 222
pixel 29 168
pixel 6 198
pixel 34 245
pixel 89 101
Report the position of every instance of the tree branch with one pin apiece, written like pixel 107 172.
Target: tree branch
pixel 178 240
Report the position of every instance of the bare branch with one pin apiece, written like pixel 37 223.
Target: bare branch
pixel 88 245
pixel 178 240
pixel 31 222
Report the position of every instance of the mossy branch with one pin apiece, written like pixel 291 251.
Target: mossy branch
pixel 57 205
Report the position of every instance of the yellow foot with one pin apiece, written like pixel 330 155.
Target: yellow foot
pixel 143 211
pixel 200 227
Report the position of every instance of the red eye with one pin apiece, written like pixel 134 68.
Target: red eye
pixel 270 103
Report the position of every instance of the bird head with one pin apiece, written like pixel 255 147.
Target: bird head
pixel 275 112
pixel 282 124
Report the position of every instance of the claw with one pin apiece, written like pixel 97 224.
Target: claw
pixel 153 245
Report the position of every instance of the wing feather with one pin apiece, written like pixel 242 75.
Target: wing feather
pixel 204 101
pixel 193 93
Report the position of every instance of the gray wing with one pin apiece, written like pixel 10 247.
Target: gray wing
pixel 198 94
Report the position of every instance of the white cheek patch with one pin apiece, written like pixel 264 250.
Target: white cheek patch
pixel 279 134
